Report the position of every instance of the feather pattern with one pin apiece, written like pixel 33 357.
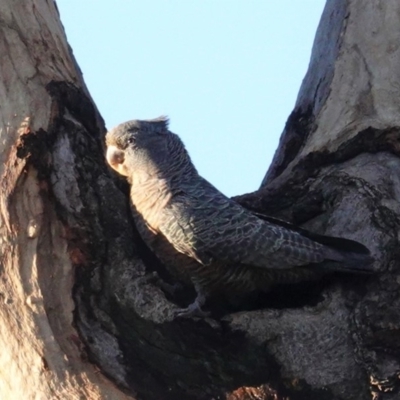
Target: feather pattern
pixel 206 238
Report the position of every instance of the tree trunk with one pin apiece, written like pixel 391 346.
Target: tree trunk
pixel 79 321
pixel 50 149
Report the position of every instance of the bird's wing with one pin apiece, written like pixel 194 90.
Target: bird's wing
pixel 213 227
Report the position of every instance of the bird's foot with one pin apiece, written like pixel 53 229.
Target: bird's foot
pixel 192 311
pixel 195 312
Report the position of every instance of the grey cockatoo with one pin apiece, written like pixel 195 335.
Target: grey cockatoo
pixel 205 238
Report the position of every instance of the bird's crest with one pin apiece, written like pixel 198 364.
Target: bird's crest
pixel 163 120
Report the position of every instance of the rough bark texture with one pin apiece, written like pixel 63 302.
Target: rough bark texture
pixel 79 321
pixel 46 116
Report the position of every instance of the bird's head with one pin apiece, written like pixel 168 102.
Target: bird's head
pixel 148 147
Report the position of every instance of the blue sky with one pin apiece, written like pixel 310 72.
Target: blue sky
pixel 226 72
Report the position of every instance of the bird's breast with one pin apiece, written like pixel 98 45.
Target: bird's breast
pixel 150 199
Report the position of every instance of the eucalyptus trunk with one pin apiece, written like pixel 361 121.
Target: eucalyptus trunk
pixel 78 320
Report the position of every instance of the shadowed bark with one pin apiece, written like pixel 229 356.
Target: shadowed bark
pixel 79 321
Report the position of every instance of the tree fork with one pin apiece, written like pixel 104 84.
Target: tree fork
pixel 77 317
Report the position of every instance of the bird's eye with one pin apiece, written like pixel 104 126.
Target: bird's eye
pixel 132 143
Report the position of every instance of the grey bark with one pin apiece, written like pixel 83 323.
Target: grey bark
pixel 79 320
pixel 45 113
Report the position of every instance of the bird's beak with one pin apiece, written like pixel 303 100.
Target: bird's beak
pixel 115 158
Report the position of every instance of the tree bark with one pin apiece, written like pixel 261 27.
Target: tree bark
pixel 46 115
pixel 79 320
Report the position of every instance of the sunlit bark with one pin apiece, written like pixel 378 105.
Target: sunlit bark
pixel 78 320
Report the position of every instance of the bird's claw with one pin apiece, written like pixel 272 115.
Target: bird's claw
pixel 192 311
pixel 195 312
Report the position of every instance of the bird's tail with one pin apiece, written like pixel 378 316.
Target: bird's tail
pixel 340 254
pixel 348 261
pixel 344 254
